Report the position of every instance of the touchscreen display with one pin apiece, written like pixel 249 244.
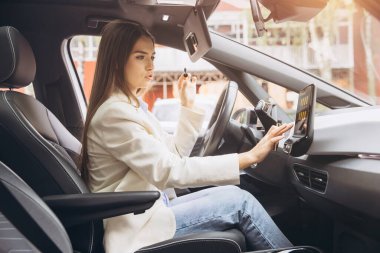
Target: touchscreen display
pixel 305 102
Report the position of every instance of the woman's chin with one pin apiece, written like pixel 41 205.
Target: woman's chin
pixel 147 84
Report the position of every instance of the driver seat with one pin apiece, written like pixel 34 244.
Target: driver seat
pixel 22 214
pixel 40 150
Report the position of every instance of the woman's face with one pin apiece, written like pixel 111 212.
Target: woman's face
pixel 138 71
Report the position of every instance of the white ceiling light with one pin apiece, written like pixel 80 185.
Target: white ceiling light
pixel 165 17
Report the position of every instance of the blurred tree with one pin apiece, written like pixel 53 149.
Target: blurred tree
pixel 321 29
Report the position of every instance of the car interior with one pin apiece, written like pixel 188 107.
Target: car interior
pixel 320 185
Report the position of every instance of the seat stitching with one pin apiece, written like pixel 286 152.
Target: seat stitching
pixel 13 51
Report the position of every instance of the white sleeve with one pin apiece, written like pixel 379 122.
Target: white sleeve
pixel 130 143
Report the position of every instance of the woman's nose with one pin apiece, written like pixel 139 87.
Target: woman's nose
pixel 150 65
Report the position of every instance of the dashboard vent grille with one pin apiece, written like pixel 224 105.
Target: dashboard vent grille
pixel 318 180
pixel 311 178
pixel 303 175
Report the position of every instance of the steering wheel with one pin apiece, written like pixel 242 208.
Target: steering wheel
pixel 219 119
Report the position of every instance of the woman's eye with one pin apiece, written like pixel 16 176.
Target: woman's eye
pixel 140 57
pixel 153 57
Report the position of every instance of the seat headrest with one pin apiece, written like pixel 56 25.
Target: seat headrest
pixel 17 63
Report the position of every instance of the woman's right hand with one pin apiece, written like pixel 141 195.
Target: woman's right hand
pixel 187 90
pixel 264 146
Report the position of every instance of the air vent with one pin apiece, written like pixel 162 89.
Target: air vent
pixel 318 180
pixel 302 174
pixel 311 178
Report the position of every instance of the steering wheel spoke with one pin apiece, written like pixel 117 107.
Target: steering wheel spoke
pixel 219 120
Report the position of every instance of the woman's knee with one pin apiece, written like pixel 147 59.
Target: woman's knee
pixel 247 195
pixel 231 188
pixel 246 201
pixel 237 195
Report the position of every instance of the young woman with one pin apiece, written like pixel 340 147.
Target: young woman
pixel 124 149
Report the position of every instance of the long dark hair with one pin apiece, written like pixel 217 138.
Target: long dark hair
pixel 118 39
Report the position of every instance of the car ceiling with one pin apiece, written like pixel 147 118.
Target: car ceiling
pixel 52 21
pixel 65 18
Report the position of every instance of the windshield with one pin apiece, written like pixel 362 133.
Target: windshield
pixel 341 44
pixel 169 109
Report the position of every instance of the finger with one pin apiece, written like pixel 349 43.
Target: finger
pixel 194 79
pixel 180 82
pixel 277 129
pixel 186 80
pixel 276 139
pixel 287 127
pixel 271 129
pixel 290 126
pixel 181 78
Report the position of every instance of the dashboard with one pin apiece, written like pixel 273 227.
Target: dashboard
pixel 333 162
pixel 340 172
pixel 337 169
pixel 352 131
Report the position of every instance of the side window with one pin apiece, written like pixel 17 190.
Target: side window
pixel 84 50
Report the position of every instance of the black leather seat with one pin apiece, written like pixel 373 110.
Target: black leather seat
pixel 29 225
pixel 42 152
pixel 34 142
pixel 21 219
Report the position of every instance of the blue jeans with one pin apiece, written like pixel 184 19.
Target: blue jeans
pixel 226 207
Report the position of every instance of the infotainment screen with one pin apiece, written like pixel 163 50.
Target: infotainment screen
pixel 299 143
pixel 304 111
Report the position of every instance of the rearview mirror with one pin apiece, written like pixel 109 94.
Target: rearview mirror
pixel 257 18
pixel 284 10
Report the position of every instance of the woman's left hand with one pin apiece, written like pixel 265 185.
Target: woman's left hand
pixel 187 90
pixel 269 141
pixel 264 146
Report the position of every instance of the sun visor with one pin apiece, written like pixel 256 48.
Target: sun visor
pixel 196 35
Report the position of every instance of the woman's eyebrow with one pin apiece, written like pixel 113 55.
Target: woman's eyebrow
pixel 142 52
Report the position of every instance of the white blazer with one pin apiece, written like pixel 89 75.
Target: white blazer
pixel 129 151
